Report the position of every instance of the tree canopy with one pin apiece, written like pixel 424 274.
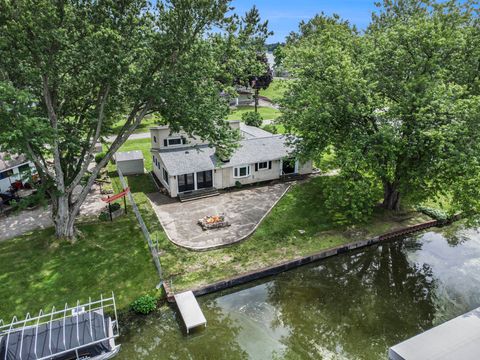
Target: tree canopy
pixel 69 70
pixel 400 104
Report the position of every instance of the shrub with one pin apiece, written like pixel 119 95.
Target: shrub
pixel 270 128
pixel 99 157
pixel 145 304
pixel 105 214
pixel 238 184
pixel 252 118
pixel 436 214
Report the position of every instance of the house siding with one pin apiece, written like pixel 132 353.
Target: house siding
pixel 228 180
pixel 160 134
pixel 305 168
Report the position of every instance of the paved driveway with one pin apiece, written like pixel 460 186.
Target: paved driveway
pixel 243 209
pixel 25 221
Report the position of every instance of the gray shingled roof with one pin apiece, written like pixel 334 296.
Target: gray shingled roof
pixel 253 132
pixel 129 155
pixel 8 161
pixel 188 160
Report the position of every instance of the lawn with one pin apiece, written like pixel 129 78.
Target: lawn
pixel 37 271
pixel 276 89
pixel 267 113
pixel 299 225
pixel 137 183
pixel 146 124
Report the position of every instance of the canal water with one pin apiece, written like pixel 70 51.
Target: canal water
pixel 352 306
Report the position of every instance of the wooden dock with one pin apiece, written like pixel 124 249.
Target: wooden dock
pixel 458 338
pixel 191 313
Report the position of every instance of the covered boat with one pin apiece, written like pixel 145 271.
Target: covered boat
pixel 86 331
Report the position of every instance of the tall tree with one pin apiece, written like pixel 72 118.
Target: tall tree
pixel 255 71
pixel 263 79
pixel 69 69
pixel 400 104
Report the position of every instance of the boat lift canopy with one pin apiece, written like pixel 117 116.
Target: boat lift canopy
pixel 72 333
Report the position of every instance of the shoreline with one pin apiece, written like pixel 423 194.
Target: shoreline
pixel 304 260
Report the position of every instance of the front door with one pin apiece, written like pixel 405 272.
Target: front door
pixel 204 179
pixel 288 166
pixel 186 182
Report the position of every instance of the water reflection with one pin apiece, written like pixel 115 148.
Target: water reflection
pixel 349 307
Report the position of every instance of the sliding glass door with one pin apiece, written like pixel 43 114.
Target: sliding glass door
pixel 186 182
pixel 204 179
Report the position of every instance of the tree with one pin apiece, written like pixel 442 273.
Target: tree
pixel 69 69
pixel 263 79
pixel 255 71
pixel 399 104
pixel 252 118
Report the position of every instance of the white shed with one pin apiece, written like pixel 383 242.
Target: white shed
pixel 130 162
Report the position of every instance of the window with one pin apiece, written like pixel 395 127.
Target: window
pixel 263 165
pixel 165 175
pixel 155 139
pixel 176 141
pixel 6 174
pixel 241 171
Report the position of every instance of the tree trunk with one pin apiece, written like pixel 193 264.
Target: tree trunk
pixel 63 218
pixel 256 99
pixel 391 197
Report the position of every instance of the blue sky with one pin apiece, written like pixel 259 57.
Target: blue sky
pixel 284 15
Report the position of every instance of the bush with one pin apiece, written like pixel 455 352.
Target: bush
pixel 252 118
pixel 270 128
pixel 436 214
pixel 238 184
pixel 144 305
pixel 99 157
pixel 105 214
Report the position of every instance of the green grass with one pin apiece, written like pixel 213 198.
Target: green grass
pixel 277 128
pixel 37 271
pixel 276 90
pixel 137 183
pixel 145 125
pixel 266 112
pixel 299 225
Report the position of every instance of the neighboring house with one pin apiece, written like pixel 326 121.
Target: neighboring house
pixel 14 169
pixel 245 96
pixel 185 164
pixel 278 71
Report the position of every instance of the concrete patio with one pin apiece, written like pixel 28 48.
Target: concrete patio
pixel 243 209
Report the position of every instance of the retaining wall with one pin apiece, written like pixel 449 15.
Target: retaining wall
pixel 291 264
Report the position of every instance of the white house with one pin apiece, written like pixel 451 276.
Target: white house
pixel 14 168
pixel 184 164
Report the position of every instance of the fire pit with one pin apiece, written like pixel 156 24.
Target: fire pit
pixel 213 222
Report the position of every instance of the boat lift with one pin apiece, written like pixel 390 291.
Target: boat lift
pixel 85 331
